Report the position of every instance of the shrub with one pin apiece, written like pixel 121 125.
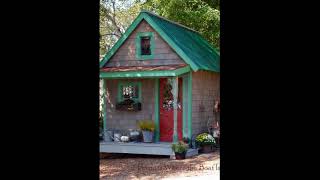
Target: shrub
pixel 181 147
pixel 205 139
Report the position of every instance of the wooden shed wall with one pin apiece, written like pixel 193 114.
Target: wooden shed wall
pixel 205 89
pixel 126 54
pixel 124 120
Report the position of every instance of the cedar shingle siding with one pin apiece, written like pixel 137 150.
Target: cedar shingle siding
pixel 126 54
pixel 124 120
pixel 205 89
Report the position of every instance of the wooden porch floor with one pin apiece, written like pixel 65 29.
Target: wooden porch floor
pixel 160 148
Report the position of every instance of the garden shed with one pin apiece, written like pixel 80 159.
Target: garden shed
pixel 168 74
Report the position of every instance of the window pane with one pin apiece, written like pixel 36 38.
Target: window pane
pixel 130 92
pixel 145 46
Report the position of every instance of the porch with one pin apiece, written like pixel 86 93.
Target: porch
pixel 146 83
pixel 158 148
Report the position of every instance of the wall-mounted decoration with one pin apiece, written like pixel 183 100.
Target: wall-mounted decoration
pixel 168 96
pixel 128 105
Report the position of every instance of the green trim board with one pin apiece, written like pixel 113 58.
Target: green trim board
pixel 156 110
pixel 190 104
pixel 143 74
pixel 122 84
pixel 139 56
pixel 189 45
pixel 184 105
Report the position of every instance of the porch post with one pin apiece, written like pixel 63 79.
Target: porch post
pixel 156 109
pixel 184 106
pixel 190 105
pixel 175 106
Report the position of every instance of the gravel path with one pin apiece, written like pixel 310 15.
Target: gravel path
pixel 144 167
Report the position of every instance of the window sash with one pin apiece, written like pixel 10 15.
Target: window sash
pixel 125 88
pixel 148 53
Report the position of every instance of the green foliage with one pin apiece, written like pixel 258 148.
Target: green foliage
pixel 146 125
pixel 200 15
pixel 204 139
pixel 181 147
pixel 115 18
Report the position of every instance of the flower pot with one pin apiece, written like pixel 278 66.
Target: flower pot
pixel 147 136
pixel 207 148
pixel 180 155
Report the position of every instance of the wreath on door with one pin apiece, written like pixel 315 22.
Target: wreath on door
pixel 168 96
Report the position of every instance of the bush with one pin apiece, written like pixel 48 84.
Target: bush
pixel 181 147
pixel 205 139
pixel 146 125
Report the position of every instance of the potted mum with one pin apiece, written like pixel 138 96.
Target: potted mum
pixel 206 142
pixel 180 149
pixel 147 128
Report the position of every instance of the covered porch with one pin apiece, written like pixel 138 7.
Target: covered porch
pixel 148 77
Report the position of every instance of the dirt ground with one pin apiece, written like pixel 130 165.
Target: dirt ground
pixel 145 167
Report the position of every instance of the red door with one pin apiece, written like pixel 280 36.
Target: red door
pixel 166 111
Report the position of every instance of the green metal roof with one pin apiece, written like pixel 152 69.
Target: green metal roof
pixel 187 43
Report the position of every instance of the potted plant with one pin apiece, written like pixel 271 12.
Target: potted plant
pixel 206 142
pixel 147 128
pixel 180 149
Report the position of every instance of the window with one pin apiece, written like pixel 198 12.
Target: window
pixel 129 90
pixel 145 45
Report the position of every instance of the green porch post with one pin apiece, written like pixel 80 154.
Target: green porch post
pixel 190 104
pixel 156 109
pixel 185 106
pixel 175 106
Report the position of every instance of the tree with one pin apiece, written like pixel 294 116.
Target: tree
pixel 200 15
pixel 115 17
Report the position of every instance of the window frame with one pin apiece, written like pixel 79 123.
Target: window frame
pixel 120 88
pixel 139 56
